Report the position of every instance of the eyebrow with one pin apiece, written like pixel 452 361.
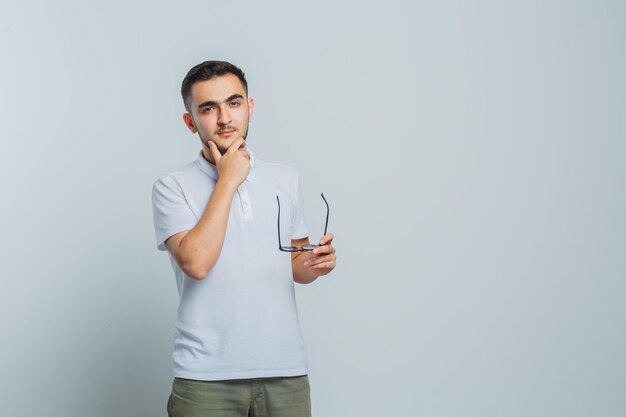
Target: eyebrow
pixel 213 103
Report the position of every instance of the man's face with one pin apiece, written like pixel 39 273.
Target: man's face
pixel 220 111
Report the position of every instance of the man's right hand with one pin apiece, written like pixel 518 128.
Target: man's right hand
pixel 197 250
pixel 233 167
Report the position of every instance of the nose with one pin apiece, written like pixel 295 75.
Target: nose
pixel 224 117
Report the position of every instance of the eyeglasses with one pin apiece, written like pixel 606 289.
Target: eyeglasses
pixel 303 247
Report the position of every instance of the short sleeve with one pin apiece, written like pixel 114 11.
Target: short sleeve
pixel 298 228
pixel 170 210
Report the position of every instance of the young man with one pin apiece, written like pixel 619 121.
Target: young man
pixel 238 350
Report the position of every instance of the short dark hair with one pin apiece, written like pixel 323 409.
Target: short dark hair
pixel 206 71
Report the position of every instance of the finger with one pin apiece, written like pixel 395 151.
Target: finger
pixel 236 145
pixel 215 152
pixel 323 250
pixel 321 259
pixel 244 145
pixel 243 148
pixel 324 266
pixel 326 239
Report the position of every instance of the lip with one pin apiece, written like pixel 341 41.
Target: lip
pixel 226 133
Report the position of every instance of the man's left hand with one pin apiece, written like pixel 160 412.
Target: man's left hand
pixel 322 260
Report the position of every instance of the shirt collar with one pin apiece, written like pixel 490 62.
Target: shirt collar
pixel 210 169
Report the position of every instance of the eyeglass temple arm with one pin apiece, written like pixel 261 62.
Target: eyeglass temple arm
pixel 327 211
pixel 280 245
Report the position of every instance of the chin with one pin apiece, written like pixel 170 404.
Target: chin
pixel 224 144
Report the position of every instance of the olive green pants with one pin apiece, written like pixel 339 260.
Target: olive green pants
pixel 258 397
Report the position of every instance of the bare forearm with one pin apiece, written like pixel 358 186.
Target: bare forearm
pixel 201 247
pixel 301 274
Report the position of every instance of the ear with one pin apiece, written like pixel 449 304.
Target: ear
pixel 189 123
pixel 250 107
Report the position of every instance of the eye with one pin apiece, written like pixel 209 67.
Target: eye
pixel 234 103
pixel 207 109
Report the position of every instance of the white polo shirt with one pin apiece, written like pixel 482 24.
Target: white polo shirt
pixel 241 320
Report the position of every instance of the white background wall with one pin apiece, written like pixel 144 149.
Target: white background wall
pixel 472 154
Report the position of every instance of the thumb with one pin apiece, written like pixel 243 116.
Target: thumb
pixel 326 239
pixel 215 152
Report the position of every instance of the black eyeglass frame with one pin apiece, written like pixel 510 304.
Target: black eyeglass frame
pixel 302 248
